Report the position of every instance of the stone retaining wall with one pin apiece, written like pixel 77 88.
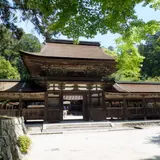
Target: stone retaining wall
pixel 10 130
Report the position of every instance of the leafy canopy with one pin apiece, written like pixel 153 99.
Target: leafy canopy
pixel 75 18
pixel 9 52
pixel 29 43
pixel 7 71
pixel 129 63
pixel 151 51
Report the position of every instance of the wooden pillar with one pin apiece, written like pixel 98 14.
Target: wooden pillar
pixel 144 107
pixel 61 103
pixel 85 108
pixel 89 102
pixel 46 101
pixel 125 108
pixel 46 107
pixel 20 105
pixel 103 100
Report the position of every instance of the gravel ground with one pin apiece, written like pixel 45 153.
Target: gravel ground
pixel 138 144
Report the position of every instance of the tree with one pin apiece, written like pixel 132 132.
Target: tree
pixel 75 18
pixel 129 62
pixel 10 46
pixel 110 50
pixel 7 71
pixel 151 51
pixel 29 43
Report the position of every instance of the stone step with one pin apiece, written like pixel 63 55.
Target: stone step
pixel 61 127
pixel 34 128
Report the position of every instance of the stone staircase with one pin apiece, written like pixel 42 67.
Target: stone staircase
pixel 76 127
pixel 81 126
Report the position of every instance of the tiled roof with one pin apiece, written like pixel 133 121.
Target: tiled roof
pixel 137 87
pixel 66 49
pixel 20 86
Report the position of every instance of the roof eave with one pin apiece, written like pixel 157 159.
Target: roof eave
pixel 51 57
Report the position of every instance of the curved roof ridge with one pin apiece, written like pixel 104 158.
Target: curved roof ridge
pixel 64 41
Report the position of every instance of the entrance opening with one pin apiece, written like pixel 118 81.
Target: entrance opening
pixel 73 107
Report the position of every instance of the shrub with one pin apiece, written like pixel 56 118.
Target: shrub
pixel 24 143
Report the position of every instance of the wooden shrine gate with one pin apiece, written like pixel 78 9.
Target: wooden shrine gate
pixel 93 108
pixel 92 96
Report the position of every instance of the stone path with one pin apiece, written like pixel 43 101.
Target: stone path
pixel 142 144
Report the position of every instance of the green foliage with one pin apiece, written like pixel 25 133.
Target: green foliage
pixel 129 63
pixel 153 79
pixel 138 32
pixel 7 71
pixel 151 51
pixel 110 52
pixel 9 49
pixel 24 143
pixel 129 60
pixel 29 43
pixel 8 44
pixel 78 18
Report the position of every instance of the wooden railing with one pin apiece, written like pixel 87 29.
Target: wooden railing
pixel 114 112
pixel 153 111
pixel 10 112
pixel 33 113
pixel 133 112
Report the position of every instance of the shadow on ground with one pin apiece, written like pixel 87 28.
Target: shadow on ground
pixel 152 158
pixel 155 140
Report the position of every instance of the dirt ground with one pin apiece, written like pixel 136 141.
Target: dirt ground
pixel 138 144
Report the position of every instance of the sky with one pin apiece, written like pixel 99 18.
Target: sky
pixel 106 40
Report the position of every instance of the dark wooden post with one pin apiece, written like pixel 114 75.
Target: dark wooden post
pixel 125 108
pixel 89 101
pixel 103 100
pixel 85 108
pixel 89 104
pixel 20 105
pixel 61 102
pixel 104 105
pixel 46 107
pixel 144 107
pixel 46 101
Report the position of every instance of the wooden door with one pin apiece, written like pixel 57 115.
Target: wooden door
pixel 97 109
pixel 54 110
